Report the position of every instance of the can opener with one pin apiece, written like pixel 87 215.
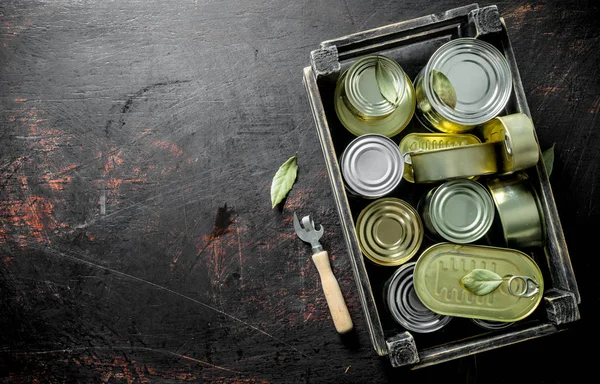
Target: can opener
pixel 333 294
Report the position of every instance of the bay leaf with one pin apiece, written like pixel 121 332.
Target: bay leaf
pixel 548 156
pixel 443 88
pixel 283 180
pixel 481 281
pixel 385 83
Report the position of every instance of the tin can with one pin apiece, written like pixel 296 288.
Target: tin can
pixel 420 142
pixel 452 163
pixel 475 72
pixel 459 211
pixel 405 306
pixel 519 147
pixel 441 267
pixel 372 166
pixel 491 325
pixel 389 231
pixel 520 211
pixel 360 105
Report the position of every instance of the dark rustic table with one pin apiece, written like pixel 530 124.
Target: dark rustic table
pixel 137 145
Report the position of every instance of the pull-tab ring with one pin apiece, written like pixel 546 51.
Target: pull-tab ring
pixel 406 155
pixel 530 287
pixel 508 145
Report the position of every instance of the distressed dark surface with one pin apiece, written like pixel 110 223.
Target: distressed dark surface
pixel 138 141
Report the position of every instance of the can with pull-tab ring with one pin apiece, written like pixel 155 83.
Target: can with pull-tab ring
pixel 422 142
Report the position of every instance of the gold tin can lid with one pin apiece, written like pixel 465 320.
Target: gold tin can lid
pixel 421 142
pixel 460 211
pixel 389 231
pixel 404 305
pixel 455 162
pixel 519 210
pixel 519 147
pixel 372 166
pixel 480 76
pixel 359 103
pixel 440 268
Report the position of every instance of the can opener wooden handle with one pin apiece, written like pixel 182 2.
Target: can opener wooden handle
pixel 331 288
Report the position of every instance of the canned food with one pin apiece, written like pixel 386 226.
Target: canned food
pixel 419 142
pixel 440 268
pixel 372 166
pixel 404 305
pixel 465 83
pixel 519 210
pixel 519 149
pixel 361 105
pixel 389 231
pixel 491 325
pixel 459 211
pixel 453 163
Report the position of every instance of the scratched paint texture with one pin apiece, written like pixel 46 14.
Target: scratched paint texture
pixel 137 144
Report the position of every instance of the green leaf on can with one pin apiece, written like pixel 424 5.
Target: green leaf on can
pixel 548 156
pixel 385 83
pixel 283 180
pixel 443 88
pixel 481 281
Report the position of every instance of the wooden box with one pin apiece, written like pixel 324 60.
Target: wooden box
pixel 411 43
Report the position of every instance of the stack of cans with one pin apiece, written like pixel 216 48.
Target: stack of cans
pixel 466 166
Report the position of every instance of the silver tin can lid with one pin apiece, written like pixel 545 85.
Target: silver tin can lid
pixel 492 325
pixel 372 165
pixel 405 306
pixel 461 211
pixel 362 89
pixel 480 76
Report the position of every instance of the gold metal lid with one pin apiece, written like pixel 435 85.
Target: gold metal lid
pixel 440 268
pixel 389 231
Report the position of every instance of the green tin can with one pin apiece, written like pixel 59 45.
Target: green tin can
pixel 441 267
